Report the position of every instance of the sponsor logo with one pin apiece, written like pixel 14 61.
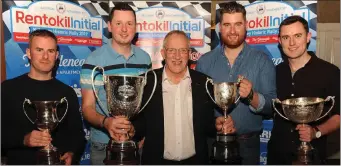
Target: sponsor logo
pixel 160 14
pixel 263 158
pixel 260 9
pixel 265 136
pixel 60 8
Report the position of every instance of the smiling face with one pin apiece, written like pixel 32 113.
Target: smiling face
pixel 294 39
pixel 122 27
pixel 176 54
pixel 233 29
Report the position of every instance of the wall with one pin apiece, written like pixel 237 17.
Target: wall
pixel 328 48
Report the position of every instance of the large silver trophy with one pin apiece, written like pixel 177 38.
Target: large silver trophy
pixel 225 148
pixel 123 96
pixel 303 110
pixel 47 120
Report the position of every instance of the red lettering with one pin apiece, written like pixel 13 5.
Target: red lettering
pixel 19 16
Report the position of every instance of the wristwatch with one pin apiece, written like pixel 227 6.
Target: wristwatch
pixel 250 97
pixel 317 132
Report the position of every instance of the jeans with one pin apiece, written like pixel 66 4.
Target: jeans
pixel 250 150
pixel 97 153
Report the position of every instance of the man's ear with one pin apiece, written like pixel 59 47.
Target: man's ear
pixel 308 37
pixel 163 53
pixel 28 53
pixel 109 26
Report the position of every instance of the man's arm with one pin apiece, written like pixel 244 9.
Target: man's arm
pixel 89 109
pixel 262 99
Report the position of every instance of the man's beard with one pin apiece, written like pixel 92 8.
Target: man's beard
pixel 234 44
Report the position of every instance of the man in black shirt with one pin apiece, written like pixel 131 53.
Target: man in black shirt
pixel 302 74
pixel 20 139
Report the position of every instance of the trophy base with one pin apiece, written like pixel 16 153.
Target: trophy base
pixel 121 153
pixel 49 157
pixel 226 150
pixel 304 155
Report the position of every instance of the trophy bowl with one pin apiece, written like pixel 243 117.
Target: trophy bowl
pixel 123 98
pixel 47 120
pixel 303 110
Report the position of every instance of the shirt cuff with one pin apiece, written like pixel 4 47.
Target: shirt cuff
pixel 261 103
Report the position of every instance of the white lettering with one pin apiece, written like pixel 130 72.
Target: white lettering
pixel 25 58
pixel 70 62
pixel 277 61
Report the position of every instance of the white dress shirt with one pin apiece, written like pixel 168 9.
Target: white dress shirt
pixel 178 118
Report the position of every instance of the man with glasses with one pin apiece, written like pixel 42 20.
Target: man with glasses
pixel 179 118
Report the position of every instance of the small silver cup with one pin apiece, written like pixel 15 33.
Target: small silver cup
pixel 303 110
pixel 46 120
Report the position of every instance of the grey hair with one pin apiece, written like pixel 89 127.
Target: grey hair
pixel 177 32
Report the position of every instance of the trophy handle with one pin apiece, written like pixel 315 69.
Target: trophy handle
pixel 23 106
pixel 328 99
pixel 93 85
pixel 238 83
pixel 67 107
pixel 211 81
pixel 273 104
pixel 144 84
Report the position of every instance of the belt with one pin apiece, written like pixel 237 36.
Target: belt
pixel 248 135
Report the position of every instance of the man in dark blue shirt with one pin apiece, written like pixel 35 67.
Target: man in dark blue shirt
pixel 232 59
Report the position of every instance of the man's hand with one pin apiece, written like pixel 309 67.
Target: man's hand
pixel 225 125
pixel 37 139
pixel 245 87
pixel 118 127
pixel 307 133
pixel 67 158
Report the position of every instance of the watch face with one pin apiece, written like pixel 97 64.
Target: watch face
pixel 318 134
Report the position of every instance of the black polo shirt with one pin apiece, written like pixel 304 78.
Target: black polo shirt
pixel 317 78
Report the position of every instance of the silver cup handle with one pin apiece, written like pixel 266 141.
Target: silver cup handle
pixel 67 107
pixel 279 102
pixel 23 106
pixel 326 100
pixel 211 81
pixel 94 89
pixel 144 84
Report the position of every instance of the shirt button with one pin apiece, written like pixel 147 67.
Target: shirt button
pixel 293 83
pixel 292 94
pixel 291 130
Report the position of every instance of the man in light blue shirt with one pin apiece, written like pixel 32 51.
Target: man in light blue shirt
pixel 118 56
pixel 234 59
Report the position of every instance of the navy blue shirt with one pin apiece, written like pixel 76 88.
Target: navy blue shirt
pixel 258 68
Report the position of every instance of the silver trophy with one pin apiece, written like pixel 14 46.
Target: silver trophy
pixel 303 110
pixel 225 150
pixel 123 96
pixel 47 120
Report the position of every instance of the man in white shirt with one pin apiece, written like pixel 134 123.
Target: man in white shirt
pixel 179 118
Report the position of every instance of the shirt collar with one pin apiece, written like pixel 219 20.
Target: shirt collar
pixel 116 54
pixel 245 47
pixel 165 77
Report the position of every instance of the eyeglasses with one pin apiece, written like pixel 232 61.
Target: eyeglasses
pixel 173 51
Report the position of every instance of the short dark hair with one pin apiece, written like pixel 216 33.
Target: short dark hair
pixel 41 33
pixel 123 7
pixel 232 7
pixel 292 19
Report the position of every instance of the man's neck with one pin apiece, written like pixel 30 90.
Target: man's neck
pixel 122 49
pixel 299 62
pixel 40 76
pixel 175 78
pixel 232 53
